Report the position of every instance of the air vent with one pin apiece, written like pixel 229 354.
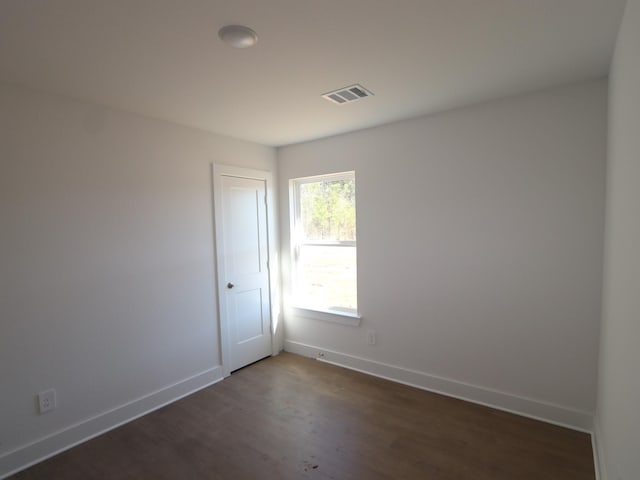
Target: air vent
pixel 347 94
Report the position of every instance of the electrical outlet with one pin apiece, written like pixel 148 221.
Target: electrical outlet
pixel 47 401
pixel 371 337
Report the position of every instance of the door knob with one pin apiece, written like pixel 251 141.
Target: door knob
pixel 230 285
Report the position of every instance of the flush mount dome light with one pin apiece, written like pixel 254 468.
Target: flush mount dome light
pixel 238 36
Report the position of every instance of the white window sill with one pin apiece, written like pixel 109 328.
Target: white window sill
pixel 333 316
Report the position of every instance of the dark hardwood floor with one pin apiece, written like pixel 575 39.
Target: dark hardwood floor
pixel 290 417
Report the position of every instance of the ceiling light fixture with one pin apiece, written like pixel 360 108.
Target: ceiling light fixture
pixel 238 36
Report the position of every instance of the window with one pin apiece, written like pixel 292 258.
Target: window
pixel 323 242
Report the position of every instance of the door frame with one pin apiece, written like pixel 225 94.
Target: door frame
pixel 217 172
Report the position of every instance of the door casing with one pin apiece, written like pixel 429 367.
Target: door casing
pixel 217 172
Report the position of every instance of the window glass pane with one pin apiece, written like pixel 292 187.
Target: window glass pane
pixel 324 243
pixel 326 278
pixel 328 210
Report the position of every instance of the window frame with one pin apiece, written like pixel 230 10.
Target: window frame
pixel 296 236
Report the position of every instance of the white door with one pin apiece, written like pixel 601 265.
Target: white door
pixel 243 269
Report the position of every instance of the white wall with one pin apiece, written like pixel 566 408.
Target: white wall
pixel 107 288
pixel 618 418
pixel 480 236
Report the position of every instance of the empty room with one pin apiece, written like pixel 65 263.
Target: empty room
pixel 290 239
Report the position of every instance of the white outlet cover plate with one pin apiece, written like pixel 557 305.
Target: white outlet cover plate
pixel 47 400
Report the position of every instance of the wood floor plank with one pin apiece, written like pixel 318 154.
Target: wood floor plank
pixel 290 417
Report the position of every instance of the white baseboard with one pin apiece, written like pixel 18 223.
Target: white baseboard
pixel 546 412
pixel 45 447
pixel 598 453
pixel 594 449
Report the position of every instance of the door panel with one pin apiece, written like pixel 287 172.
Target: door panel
pixel 245 276
pixel 246 247
pixel 249 324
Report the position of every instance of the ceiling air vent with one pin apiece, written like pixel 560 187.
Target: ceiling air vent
pixel 347 94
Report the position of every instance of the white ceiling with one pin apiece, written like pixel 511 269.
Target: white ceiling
pixel 162 58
